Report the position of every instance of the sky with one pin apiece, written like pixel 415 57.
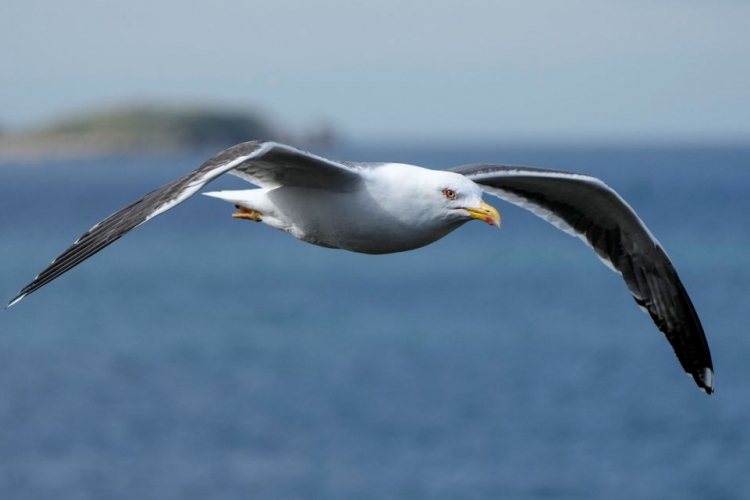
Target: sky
pixel 474 70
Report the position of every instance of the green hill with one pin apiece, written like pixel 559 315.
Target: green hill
pixel 138 129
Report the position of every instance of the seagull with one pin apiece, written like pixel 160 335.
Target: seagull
pixel 380 208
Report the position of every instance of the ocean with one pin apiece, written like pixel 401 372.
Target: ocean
pixel 203 357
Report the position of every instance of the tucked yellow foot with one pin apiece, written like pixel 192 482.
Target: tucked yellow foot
pixel 247 213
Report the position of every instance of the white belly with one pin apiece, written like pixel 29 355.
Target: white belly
pixel 353 221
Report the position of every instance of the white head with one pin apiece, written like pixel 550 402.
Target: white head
pixel 431 198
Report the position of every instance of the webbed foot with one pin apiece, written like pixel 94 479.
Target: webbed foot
pixel 247 213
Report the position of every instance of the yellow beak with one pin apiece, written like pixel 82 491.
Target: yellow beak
pixel 485 212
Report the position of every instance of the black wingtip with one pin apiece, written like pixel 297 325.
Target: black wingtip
pixel 15 301
pixel 704 377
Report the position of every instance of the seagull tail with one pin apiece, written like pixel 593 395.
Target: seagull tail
pixel 234 197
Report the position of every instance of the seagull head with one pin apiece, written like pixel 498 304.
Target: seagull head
pixel 461 199
pixel 432 198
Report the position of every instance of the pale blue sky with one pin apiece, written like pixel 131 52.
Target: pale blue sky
pixel 583 70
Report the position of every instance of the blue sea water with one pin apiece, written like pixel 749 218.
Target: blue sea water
pixel 203 357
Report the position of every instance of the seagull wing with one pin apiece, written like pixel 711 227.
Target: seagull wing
pixel 264 163
pixel 585 207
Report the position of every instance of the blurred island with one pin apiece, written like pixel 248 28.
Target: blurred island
pixel 142 129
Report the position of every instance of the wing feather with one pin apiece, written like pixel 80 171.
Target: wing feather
pixel 587 208
pixel 261 162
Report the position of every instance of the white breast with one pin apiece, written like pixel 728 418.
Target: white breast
pixel 357 221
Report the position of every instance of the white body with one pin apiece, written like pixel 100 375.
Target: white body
pixel 386 213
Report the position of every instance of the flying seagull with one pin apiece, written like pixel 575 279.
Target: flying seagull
pixel 379 208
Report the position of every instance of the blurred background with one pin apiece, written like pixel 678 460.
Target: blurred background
pixel 205 357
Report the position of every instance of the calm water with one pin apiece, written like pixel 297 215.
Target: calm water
pixel 203 357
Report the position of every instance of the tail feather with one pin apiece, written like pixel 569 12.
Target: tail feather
pixel 234 197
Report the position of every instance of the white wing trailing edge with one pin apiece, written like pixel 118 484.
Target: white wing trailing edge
pixel 585 207
pixel 260 162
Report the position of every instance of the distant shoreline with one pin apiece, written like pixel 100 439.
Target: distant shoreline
pixel 143 129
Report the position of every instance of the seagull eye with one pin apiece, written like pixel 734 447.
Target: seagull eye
pixel 450 194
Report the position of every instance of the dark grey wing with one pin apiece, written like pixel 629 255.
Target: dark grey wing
pixel 290 164
pixel 283 165
pixel 585 207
